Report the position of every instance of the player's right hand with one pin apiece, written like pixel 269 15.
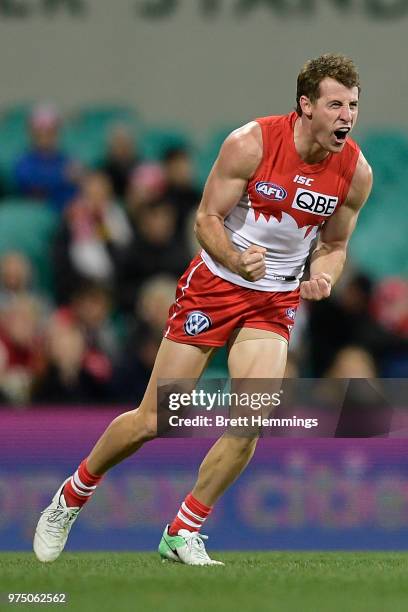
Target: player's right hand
pixel 251 263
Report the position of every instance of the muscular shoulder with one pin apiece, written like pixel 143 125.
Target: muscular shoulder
pixel 361 184
pixel 241 151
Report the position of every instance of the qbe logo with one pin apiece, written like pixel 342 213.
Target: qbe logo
pixel 196 323
pixel 314 203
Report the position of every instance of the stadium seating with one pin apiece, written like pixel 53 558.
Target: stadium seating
pixel 155 141
pixel 218 365
pixel 15 117
pixel 85 134
pixel 13 142
pixel 103 116
pixel 29 226
pixel 209 151
pixel 379 245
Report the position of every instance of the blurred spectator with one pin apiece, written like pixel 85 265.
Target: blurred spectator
pixel 390 305
pixel 147 184
pixel 364 410
pixel 90 310
pixel 390 309
pixel 345 319
pixel 121 159
pixel 352 362
pixel 292 366
pixel 93 232
pixel 21 355
pixel 155 298
pixel 67 379
pixel 192 243
pixel 135 366
pixel 16 277
pixel 181 191
pixel 45 172
pixel 154 248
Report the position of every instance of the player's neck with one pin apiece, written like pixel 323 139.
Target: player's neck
pixel 306 146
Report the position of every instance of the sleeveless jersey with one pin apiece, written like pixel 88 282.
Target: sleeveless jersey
pixel 286 203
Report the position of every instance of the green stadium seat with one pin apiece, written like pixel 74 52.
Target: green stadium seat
pixel 97 121
pixel 29 226
pixel 218 367
pixel 85 134
pixel 15 117
pixel 106 114
pixel 210 151
pixel 387 152
pixel 376 255
pixel 84 144
pixel 13 143
pixel 154 142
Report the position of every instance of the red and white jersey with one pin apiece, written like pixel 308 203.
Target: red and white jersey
pixel 286 203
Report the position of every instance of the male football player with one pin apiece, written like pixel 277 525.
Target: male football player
pixel 278 183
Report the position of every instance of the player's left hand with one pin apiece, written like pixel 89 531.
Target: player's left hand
pixel 316 288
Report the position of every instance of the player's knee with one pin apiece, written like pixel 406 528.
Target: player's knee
pixel 242 445
pixel 141 426
pixel 149 427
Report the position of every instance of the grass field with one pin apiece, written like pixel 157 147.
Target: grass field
pixel 298 582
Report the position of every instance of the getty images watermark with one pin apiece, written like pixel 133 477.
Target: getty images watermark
pixel 252 404
pixel 302 408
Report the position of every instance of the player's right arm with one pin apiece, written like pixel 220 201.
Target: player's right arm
pixel 239 157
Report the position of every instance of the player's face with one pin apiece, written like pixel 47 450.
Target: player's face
pixel 334 114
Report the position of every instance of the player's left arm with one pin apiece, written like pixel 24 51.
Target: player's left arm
pixel 328 259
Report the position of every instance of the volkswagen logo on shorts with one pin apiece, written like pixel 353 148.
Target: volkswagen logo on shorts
pixel 196 323
pixel 291 313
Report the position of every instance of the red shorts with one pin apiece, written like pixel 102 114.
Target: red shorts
pixel 208 308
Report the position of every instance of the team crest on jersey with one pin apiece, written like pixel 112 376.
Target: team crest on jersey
pixel 291 313
pixel 271 191
pixel 196 323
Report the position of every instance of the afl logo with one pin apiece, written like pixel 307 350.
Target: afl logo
pixel 196 323
pixel 291 313
pixel 270 191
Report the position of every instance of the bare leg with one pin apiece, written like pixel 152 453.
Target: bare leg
pixel 128 432
pixel 250 357
pixel 123 437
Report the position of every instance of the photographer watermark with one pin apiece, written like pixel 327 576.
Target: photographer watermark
pixel 209 401
pixel 288 408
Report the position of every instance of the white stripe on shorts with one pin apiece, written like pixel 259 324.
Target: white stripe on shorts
pixel 183 290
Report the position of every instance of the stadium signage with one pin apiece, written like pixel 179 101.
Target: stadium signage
pixel 210 9
pixel 377 9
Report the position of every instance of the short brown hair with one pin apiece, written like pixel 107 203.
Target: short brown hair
pixel 333 65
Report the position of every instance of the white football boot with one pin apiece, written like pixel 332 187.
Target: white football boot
pixel 53 527
pixel 185 547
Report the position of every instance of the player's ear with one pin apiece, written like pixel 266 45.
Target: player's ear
pixel 306 106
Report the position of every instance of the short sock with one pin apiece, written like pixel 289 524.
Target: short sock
pixel 81 486
pixel 191 515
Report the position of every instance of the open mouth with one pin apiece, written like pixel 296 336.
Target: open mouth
pixel 341 133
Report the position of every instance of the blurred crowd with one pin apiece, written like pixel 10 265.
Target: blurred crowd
pixel 124 236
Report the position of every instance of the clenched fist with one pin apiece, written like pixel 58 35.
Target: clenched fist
pixel 317 287
pixel 251 263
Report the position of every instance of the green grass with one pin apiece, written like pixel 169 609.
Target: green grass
pixel 298 582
